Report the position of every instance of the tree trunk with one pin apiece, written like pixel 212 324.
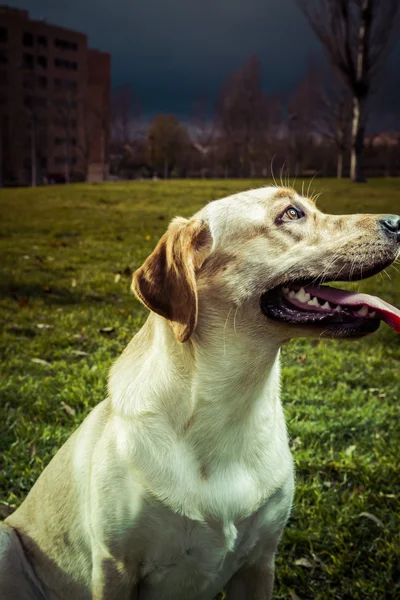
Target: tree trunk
pixel 339 171
pixel 357 141
pixel 33 153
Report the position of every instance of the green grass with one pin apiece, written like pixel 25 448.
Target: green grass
pixel 66 258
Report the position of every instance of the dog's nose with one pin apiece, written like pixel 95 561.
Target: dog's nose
pixel 391 225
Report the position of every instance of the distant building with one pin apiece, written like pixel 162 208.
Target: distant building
pixel 54 102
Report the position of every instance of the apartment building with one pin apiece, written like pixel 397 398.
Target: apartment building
pixel 54 102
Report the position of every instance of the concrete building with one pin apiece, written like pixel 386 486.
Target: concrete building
pixel 54 102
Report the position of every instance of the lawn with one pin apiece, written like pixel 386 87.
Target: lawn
pixel 67 254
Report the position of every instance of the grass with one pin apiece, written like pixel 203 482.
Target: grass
pixel 66 312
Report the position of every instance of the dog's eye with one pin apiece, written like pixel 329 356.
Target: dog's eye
pixel 292 214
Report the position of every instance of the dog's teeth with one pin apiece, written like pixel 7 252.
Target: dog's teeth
pixel 302 295
pixel 363 312
pixel 292 294
pixel 372 314
pixel 337 309
pixel 313 302
pixel 285 290
pixel 326 306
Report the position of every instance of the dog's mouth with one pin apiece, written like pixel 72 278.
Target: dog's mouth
pixel 339 312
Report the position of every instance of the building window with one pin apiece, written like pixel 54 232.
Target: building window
pixel 61 141
pixel 3 57
pixel 27 39
pixel 42 62
pixel 65 45
pixel 28 101
pixel 28 81
pixel 42 41
pixel 65 160
pixel 28 61
pixel 32 101
pixel 42 82
pixel 63 84
pixel 3 34
pixel 65 64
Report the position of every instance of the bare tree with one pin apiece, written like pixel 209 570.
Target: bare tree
pixel 244 119
pixel 303 108
pixel 333 120
pixel 125 112
pixel 202 132
pixel 356 37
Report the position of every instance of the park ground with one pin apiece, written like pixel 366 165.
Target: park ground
pixel 66 312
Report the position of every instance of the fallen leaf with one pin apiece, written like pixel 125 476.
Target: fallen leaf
pixel 32 450
pixel 107 329
pixel 44 326
pixel 117 277
pixel 26 257
pixel 80 353
pixel 40 361
pixel 47 289
pixel 296 442
pixel 147 237
pixel 23 303
pixel 73 283
pixel 71 412
pixel 293 594
pixel 373 518
pixel 350 450
pixel 304 562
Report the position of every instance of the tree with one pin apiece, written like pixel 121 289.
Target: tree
pixel 125 111
pixel 167 141
pixel 333 121
pixel 244 119
pixel 356 35
pixel 302 116
pixel 202 132
pixel 125 134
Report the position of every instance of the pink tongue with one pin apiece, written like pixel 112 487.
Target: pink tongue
pixel 387 312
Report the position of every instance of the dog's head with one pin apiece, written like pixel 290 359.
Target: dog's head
pixel 266 253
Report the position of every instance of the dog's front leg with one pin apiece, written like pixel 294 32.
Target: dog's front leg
pixel 111 581
pixel 252 582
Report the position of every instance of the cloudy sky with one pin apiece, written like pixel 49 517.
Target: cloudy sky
pixel 172 51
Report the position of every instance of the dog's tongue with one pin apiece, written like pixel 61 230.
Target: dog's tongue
pixel 386 311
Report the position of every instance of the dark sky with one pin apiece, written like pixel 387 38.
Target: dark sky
pixel 172 51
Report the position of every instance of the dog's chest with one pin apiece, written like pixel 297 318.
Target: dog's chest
pixel 184 558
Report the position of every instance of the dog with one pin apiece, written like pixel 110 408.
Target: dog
pixel 180 483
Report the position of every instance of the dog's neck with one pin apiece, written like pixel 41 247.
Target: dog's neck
pixel 198 408
pixel 226 373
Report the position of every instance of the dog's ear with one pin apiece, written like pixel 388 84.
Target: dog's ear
pixel 166 282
